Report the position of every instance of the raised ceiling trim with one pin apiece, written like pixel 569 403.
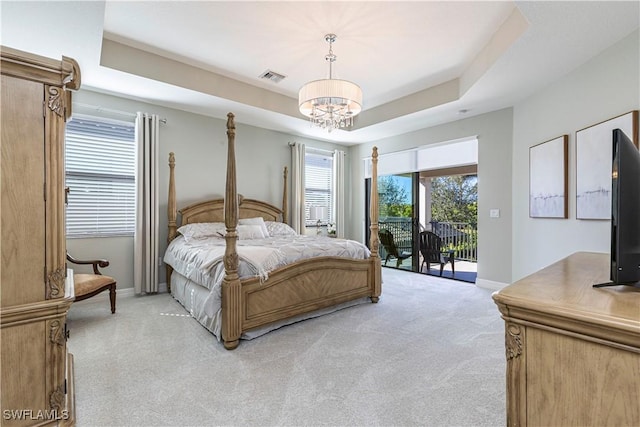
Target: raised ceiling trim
pixel 423 100
pixel 121 57
pixel 508 32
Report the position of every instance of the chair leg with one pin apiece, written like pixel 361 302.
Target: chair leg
pixel 441 268
pixel 112 297
pixel 453 267
pixel 428 267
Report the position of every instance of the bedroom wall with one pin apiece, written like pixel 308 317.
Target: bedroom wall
pixel 200 146
pixel 604 87
pixel 510 247
pixel 494 131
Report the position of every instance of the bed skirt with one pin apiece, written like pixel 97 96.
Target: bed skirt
pixel 192 297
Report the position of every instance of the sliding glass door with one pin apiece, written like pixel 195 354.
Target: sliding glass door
pixel 439 195
pixel 398 220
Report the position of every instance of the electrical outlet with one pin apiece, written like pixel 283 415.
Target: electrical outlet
pixel 159 260
pixel 494 213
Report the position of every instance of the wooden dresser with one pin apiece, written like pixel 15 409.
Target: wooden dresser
pixel 35 295
pixel 573 352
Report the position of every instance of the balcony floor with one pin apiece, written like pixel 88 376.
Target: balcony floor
pixel 465 271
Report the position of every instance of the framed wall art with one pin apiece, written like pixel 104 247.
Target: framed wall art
pixel 548 185
pixel 593 164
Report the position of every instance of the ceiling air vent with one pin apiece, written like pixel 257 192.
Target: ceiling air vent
pixel 272 75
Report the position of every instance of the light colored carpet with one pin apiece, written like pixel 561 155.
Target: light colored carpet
pixel 430 353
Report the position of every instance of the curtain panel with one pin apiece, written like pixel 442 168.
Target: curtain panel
pixel 145 267
pixel 339 192
pixel 298 152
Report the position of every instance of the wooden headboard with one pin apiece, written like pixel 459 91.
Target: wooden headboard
pixel 213 211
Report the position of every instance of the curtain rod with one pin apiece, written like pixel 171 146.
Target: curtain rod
pixel 321 150
pixel 111 111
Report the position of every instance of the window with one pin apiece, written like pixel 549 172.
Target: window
pixel 318 186
pixel 100 175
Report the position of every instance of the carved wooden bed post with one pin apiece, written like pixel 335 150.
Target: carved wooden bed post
pixel 231 288
pixel 171 212
pixel 374 240
pixel 285 197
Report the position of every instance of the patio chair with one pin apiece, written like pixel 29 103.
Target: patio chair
pixel 432 252
pixel 386 238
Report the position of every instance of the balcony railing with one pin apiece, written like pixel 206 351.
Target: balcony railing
pixel 459 236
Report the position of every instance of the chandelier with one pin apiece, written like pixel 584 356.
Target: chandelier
pixel 330 103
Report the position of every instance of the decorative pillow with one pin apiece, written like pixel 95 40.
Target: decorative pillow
pixel 254 231
pixel 279 229
pixel 255 221
pixel 202 230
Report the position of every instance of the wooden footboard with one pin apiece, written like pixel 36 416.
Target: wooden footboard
pixel 304 287
pixel 292 290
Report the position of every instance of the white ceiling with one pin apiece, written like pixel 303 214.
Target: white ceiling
pixel 419 63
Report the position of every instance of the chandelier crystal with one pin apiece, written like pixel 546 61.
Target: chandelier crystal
pixel 330 103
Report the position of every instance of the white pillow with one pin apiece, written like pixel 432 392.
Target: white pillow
pixel 253 231
pixel 202 230
pixel 279 229
pixel 255 221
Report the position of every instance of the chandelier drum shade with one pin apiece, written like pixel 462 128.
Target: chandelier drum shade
pixel 330 103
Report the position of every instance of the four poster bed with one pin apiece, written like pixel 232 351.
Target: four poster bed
pixel 241 271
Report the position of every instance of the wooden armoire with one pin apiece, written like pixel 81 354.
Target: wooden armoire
pixel 36 385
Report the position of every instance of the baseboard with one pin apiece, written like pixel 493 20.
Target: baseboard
pixel 103 297
pixel 490 284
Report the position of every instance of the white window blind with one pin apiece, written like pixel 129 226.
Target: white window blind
pixel 459 152
pixel 318 185
pixel 100 174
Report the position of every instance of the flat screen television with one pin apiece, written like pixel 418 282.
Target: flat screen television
pixel 625 212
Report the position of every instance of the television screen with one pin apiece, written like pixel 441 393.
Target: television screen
pixel 625 211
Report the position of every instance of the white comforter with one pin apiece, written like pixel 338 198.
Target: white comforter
pixel 200 260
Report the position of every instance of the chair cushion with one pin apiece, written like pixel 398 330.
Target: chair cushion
pixel 87 283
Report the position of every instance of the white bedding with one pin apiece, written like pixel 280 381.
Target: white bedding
pixel 199 261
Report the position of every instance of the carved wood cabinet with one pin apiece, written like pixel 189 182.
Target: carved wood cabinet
pixel 36 371
pixel 573 351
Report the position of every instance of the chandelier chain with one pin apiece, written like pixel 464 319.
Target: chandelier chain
pixel 331 57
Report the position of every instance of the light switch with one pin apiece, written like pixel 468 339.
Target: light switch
pixel 494 213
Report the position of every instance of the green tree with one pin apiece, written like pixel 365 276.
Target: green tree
pixel 393 198
pixel 455 199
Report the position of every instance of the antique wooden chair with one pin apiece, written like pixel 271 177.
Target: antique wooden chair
pixel 87 285
pixel 432 252
pixel 386 238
